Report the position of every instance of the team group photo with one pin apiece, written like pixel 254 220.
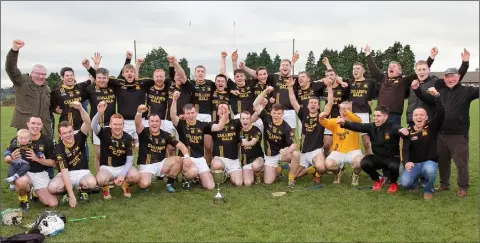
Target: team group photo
pixel 369 143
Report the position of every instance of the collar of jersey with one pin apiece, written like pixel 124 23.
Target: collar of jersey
pixel 191 124
pixel 66 87
pixel 67 144
pixel 37 137
pixel 306 87
pixel 249 128
pixel 277 124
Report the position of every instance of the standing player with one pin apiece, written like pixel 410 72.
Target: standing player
pixel 393 86
pixel 278 142
pixel 385 144
pixel 96 94
pixel 226 148
pixel 361 94
pixel 71 159
pixel 346 145
pixel 116 156
pixel 420 148
pixel 311 142
pixel 153 146
pixel 195 132
pixel 251 150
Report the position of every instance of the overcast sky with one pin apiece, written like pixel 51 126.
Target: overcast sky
pixel 59 34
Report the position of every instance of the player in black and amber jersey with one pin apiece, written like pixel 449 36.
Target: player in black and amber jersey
pixel 251 150
pixel 96 94
pixel 130 92
pixel 68 92
pixel 195 132
pixel 278 141
pixel 226 148
pixel 71 159
pixel 152 155
pixel 243 99
pixel 311 141
pixel 116 156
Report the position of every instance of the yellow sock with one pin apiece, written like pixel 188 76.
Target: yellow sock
pixel 125 184
pixel 23 198
pixel 316 174
pixel 291 177
pixel 311 170
pixel 106 188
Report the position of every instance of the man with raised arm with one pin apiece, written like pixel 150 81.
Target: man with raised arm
pixel 278 142
pixel 130 93
pixel 420 147
pixel 194 163
pixel 251 152
pixel 361 93
pixel 453 139
pixel 346 144
pixel 152 159
pixel 311 141
pixel 37 177
pixel 385 137
pixel 116 156
pixel 32 94
pixel 393 85
pixel 71 159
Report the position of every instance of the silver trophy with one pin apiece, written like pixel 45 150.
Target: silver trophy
pixel 218 178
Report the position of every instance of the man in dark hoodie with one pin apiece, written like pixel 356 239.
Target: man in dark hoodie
pixel 393 85
pixel 419 149
pixel 425 80
pixel 453 139
pixel 385 137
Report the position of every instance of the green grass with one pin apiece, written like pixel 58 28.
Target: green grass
pixel 334 213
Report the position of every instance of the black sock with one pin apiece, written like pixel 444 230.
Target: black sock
pixel 171 180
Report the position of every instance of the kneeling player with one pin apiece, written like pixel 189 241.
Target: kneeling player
pixel 226 148
pixel 278 142
pixel 251 150
pixel 71 159
pixel 116 156
pixel 311 143
pixel 194 131
pixel 346 145
pixel 152 152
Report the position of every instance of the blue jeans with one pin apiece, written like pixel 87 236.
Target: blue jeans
pixel 427 169
pixel 395 118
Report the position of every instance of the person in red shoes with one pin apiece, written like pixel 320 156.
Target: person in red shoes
pixel 385 138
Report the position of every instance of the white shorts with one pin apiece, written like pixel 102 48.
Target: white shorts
pixel 249 166
pixel 259 123
pixel 365 118
pixel 272 160
pixel 230 165
pixel 115 171
pixel 76 176
pixel 129 127
pixel 237 116
pixel 154 169
pixel 167 126
pixel 201 164
pixel 344 158
pixel 306 159
pixel 39 180
pixel 290 117
pixel 204 117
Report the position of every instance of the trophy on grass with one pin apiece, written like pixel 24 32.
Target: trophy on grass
pixel 218 178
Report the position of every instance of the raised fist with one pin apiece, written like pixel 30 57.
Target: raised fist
pixel 140 61
pixel 17 45
pixel 235 56
pixel 101 107
pixel 433 52
pixel 224 54
pixel 171 59
pixel 325 61
pixel 367 50
pixel 129 55
pixel 269 89
pixel 142 108
pixel 241 65
pixel 86 63
pixel 432 91
pixel 176 94
pixel 295 57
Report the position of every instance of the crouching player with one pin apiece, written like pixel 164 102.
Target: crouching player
pixel 116 155
pixel 251 150
pixel 152 152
